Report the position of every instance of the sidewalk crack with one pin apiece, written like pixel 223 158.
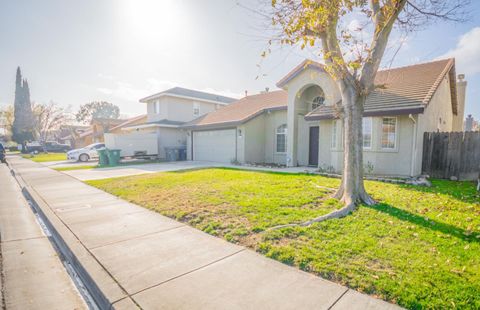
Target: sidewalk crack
pixel 31 238
pixel 338 299
pixel 188 272
pixel 136 237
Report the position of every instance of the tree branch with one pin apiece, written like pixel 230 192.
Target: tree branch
pixel 446 15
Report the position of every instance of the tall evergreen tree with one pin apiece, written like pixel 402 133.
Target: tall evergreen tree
pixel 23 124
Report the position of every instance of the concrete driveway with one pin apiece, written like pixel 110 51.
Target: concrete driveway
pixel 68 163
pixel 122 171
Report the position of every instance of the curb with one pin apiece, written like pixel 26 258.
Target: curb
pixel 101 286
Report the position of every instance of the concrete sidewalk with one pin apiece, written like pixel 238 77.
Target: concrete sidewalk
pixel 139 258
pixel 34 277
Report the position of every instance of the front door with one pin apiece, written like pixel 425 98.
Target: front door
pixel 313 147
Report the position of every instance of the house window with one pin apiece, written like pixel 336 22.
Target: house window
pixel 281 136
pixel 196 109
pixel 334 135
pixel 367 132
pixel 156 105
pixel 317 101
pixel 389 132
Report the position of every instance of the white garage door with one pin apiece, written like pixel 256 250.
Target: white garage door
pixel 214 145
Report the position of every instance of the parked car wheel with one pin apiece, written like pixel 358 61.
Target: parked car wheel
pixel 83 158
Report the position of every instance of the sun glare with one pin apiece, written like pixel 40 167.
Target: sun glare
pixel 152 19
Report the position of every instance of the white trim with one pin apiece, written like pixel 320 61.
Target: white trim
pixel 147 99
pixel 286 139
pixel 334 141
pixel 196 108
pixel 414 145
pixel 371 133
pixel 394 148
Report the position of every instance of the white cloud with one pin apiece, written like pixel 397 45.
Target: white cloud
pixel 106 76
pixel 125 91
pixel 467 52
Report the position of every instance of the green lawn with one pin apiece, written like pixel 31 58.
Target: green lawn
pixel 44 157
pixel 419 247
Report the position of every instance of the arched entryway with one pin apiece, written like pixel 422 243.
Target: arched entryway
pixel 306 135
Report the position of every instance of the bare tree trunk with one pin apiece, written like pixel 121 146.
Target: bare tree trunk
pixel 352 190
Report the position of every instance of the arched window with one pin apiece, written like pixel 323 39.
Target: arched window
pixel 281 138
pixel 317 101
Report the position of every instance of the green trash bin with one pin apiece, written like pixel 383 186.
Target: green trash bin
pixel 102 157
pixel 113 157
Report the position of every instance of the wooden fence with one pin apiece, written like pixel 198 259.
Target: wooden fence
pixel 451 154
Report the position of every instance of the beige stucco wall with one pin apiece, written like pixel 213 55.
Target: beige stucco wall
pixel 188 134
pixel 177 109
pixel 253 136
pixel 393 162
pixel 440 107
pixel 303 140
pixel 170 137
pixel 296 106
pixel 258 141
pixel 273 120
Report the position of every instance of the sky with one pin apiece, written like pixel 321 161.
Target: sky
pixel 74 52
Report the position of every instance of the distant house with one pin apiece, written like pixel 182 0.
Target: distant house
pixel 161 129
pixel 97 129
pixel 471 124
pixel 300 126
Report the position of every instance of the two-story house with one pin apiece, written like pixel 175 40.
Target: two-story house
pixel 167 111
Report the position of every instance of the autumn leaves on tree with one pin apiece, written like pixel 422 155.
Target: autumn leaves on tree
pixel 352 58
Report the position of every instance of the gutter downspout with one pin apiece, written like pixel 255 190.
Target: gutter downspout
pixel 414 145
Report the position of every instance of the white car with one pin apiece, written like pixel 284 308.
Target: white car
pixel 86 153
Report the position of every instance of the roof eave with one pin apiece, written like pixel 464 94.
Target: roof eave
pixel 234 123
pixel 164 94
pixel 393 112
pixel 307 63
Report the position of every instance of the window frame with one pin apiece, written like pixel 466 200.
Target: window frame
pixel 371 133
pixel 334 135
pixel 284 133
pixel 395 137
pixel 315 104
pixel 196 109
pixel 156 106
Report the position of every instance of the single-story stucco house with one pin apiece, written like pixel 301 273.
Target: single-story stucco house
pixel 299 125
pixel 160 129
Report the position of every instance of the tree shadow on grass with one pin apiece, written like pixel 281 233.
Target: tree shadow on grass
pixel 426 222
pixel 464 191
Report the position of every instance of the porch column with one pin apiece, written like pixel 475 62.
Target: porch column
pixel 292 130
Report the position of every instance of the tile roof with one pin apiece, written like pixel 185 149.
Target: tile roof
pixel 402 90
pixel 185 92
pixel 129 121
pixel 242 110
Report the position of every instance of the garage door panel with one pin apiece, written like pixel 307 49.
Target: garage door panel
pixel 214 145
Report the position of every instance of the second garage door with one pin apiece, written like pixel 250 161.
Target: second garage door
pixel 214 145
